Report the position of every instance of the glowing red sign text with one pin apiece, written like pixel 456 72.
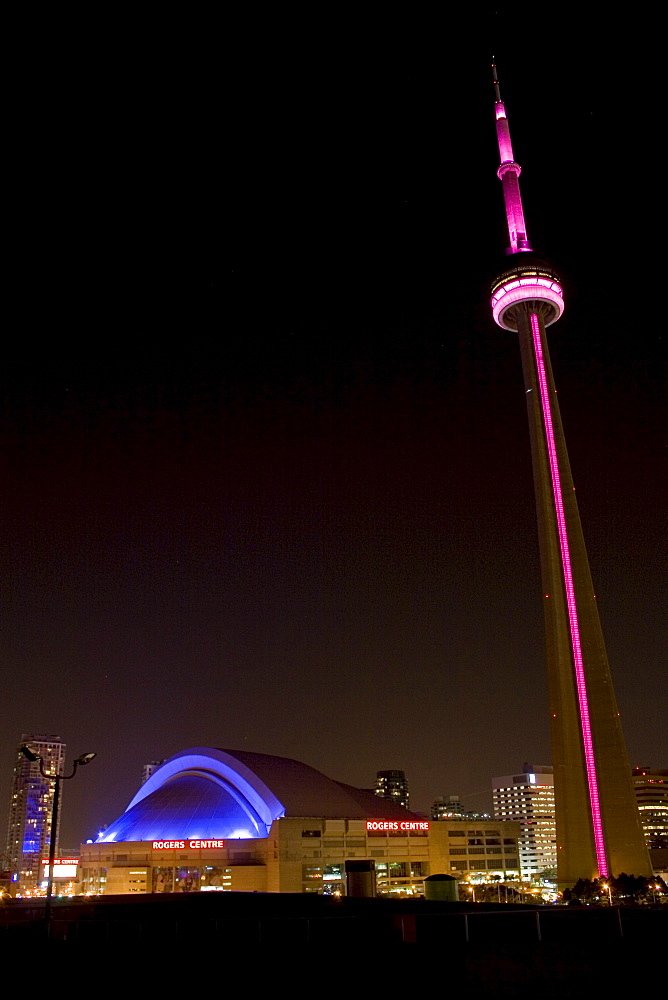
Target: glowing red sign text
pixel 62 867
pixel 404 824
pixel 180 845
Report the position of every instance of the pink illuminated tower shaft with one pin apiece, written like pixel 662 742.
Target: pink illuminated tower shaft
pixel 571 603
pixel 598 828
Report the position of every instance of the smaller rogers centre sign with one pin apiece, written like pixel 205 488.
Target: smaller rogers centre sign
pixel 407 825
pixel 181 845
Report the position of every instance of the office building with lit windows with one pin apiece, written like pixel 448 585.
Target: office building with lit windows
pixel 447 807
pixel 225 820
pixel 393 786
pixel 479 849
pixel 528 798
pixel 651 788
pixel 30 809
pixel 450 807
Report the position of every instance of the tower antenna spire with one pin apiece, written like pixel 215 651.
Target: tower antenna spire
pixel 496 81
pixel 509 172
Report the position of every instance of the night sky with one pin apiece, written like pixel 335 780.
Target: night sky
pixel 266 470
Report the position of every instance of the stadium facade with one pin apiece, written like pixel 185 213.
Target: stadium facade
pixel 215 820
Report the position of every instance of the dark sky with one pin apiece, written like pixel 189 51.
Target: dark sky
pixel 267 481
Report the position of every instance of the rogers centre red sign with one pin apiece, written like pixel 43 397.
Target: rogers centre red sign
pixel 404 824
pixel 180 845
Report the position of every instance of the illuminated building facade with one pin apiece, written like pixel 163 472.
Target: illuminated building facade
pixel 393 786
pixel 30 810
pixel 529 798
pixel 651 788
pixel 482 849
pixel 219 820
pixel 598 829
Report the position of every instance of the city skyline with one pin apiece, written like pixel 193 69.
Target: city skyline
pixel 292 531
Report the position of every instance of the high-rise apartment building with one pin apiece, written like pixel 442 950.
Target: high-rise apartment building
pixel 651 788
pixel 528 798
pixel 393 786
pixel 598 828
pixel 148 769
pixel 31 807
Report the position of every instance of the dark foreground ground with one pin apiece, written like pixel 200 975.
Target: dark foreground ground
pixel 346 945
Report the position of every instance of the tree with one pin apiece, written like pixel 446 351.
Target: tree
pixel 624 890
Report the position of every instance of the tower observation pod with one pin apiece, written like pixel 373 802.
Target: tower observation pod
pixel 598 826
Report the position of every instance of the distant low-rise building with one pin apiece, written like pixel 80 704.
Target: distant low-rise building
pixel 447 807
pixel 450 807
pixel 149 769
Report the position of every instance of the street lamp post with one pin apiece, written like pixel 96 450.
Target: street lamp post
pixel 606 885
pixel 84 758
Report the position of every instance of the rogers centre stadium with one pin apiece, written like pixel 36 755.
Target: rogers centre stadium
pixel 213 820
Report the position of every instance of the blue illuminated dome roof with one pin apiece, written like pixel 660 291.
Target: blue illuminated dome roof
pixel 204 793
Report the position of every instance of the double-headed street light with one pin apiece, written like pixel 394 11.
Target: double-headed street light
pixel 84 758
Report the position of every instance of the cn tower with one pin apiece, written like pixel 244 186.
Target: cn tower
pixel 598 827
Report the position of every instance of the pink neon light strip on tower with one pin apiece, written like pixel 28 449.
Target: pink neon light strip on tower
pixel 590 763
